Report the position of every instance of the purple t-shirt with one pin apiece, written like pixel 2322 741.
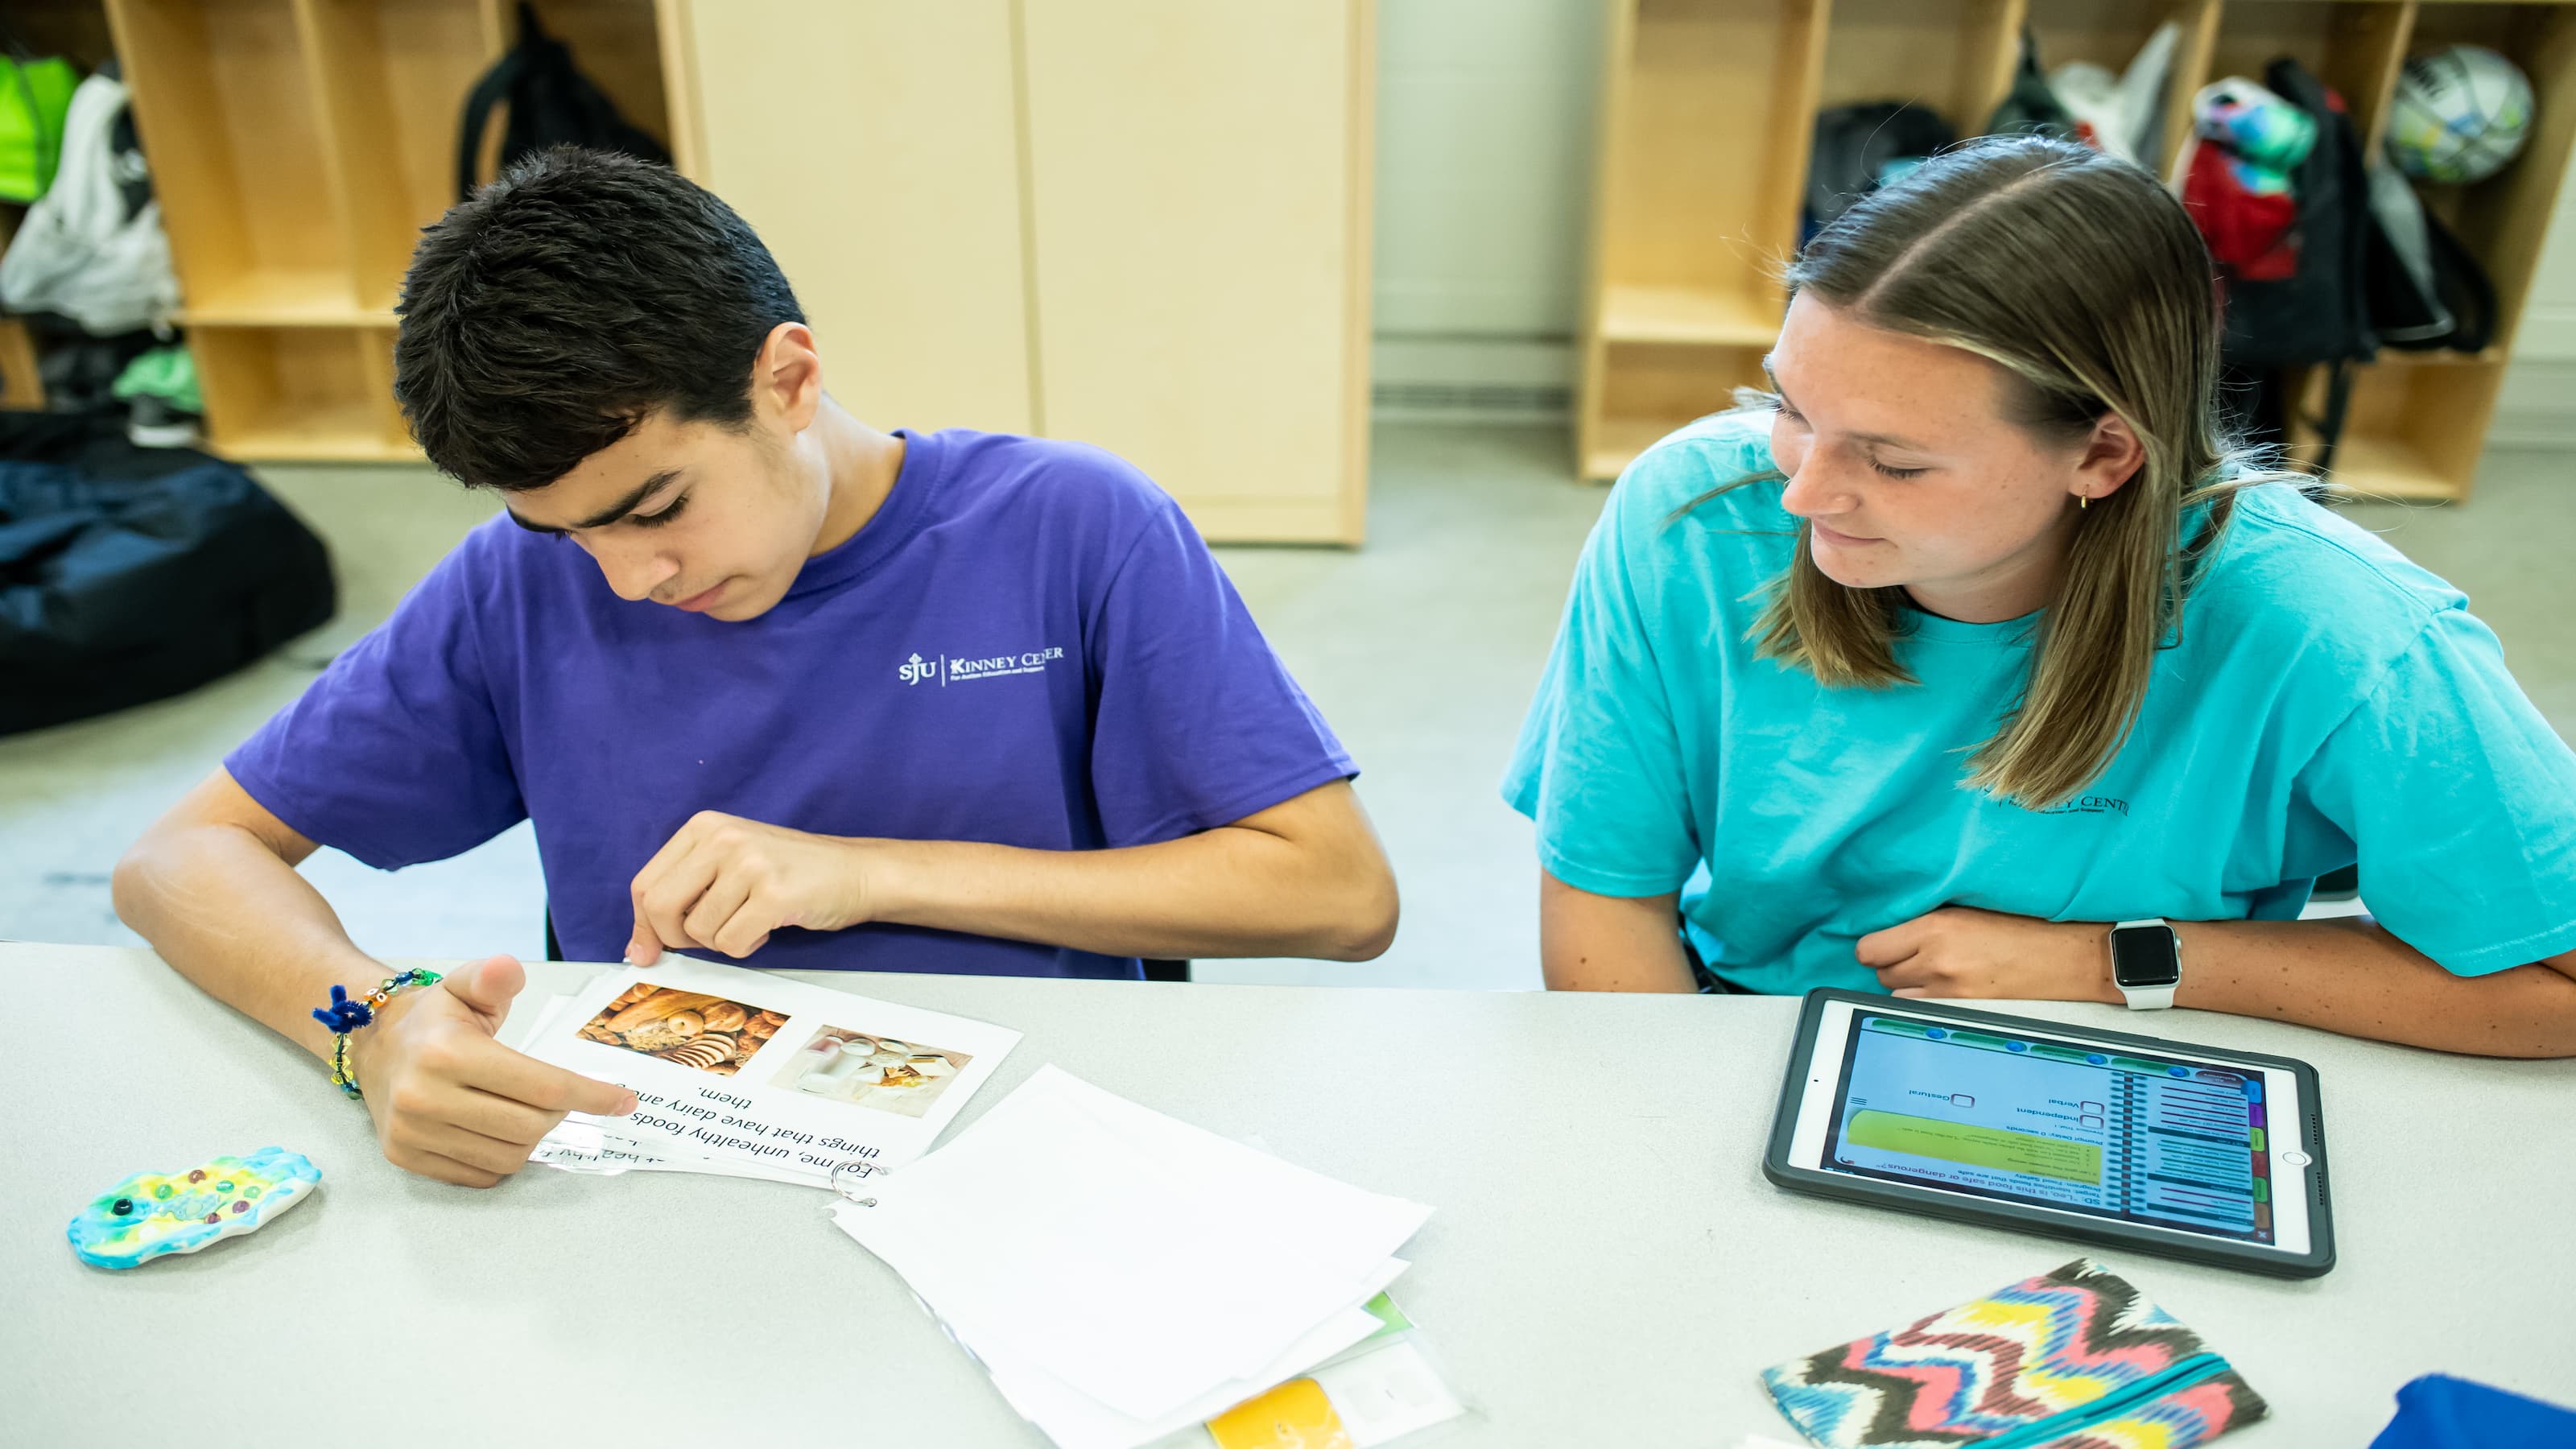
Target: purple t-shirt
pixel 1028 645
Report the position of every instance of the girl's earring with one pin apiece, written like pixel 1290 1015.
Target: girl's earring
pixel 2083 500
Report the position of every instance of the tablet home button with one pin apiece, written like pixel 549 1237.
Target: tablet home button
pixel 2296 1158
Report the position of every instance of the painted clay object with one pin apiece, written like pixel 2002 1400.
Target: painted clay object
pixel 154 1214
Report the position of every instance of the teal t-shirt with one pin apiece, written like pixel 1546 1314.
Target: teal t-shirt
pixel 2326 701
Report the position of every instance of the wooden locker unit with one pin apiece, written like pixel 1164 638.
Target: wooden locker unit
pixel 1709 104
pixel 227 112
pixel 22 386
pixel 76 30
pixel 1012 214
pixel 300 392
pixel 1707 111
pixel 2419 419
pixel 2110 32
pixel 2355 46
pixel 392 76
pixel 298 147
pixel 1955 54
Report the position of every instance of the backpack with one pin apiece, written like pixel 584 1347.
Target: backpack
pixel 2426 289
pixel 2320 314
pixel 35 98
pixel 92 248
pixel 1859 148
pixel 551 103
pixel 130 574
pixel 2031 107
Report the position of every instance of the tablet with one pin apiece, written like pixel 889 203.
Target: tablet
pixel 2188 1151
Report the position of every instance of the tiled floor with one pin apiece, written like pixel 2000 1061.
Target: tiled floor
pixel 1421 648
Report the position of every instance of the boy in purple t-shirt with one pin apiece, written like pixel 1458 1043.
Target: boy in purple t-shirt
pixel 771 684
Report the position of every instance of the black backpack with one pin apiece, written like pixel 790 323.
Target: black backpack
pixel 2320 315
pixel 2031 107
pixel 551 103
pixel 129 574
pixel 2452 306
pixel 1855 143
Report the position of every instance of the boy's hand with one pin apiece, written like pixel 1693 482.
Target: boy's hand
pixel 452 1103
pixel 724 883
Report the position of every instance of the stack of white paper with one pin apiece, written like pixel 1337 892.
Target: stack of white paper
pixel 751 1075
pixel 1121 1274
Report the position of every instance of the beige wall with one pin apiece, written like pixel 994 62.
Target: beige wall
pixel 878 154
pixel 1486 113
pixel 1485 122
pixel 1141 224
pixel 2538 408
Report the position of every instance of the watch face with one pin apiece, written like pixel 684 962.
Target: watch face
pixel 2145 956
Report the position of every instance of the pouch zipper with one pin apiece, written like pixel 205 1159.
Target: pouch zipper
pixel 2179 1375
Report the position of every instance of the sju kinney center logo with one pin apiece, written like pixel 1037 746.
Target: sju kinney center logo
pixel 960 669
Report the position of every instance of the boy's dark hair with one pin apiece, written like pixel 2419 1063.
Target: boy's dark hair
pixel 552 311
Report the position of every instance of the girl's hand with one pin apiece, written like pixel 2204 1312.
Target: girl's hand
pixel 1963 951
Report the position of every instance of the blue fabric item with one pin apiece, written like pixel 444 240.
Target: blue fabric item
pixel 2326 700
pixel 2438 1411
pixel 345 1013
pixel 1028 644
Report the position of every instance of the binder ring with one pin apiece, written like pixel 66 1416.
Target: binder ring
pixel 856 1172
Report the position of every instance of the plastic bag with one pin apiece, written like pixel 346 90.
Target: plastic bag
pixel 1385 1389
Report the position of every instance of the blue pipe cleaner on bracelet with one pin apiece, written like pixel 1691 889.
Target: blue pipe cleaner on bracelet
pixel 346 1014
pixel 343 1014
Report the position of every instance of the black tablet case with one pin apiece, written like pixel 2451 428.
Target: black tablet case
pixel 2319 1258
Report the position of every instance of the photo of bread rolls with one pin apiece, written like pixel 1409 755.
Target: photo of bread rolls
pixel 657 1006
pixel 631 995
pixel 692 1029
pixel 668 1031
pixel 703 1053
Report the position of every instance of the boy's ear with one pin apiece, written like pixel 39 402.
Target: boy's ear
pixel 787 376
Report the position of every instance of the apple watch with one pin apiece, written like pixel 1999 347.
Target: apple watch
pixel 2146 963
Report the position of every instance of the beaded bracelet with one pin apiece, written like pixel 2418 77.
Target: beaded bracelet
pixel 346 1014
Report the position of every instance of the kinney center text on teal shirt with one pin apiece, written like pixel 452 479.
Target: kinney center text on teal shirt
pixel 2326 700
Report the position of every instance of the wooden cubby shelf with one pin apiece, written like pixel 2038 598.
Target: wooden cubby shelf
pixel 298 147
pixel 1709 110
pixel 1688 314
pixel 275 393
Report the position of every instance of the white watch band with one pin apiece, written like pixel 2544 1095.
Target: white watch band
pixel 2148 998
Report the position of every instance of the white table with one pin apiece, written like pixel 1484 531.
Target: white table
pixel 1607 1266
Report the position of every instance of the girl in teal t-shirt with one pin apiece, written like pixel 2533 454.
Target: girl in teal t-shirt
pixel 1926 672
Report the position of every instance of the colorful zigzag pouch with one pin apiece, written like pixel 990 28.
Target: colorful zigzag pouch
pixel 2075 1359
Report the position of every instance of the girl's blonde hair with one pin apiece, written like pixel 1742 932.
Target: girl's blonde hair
pixel 2085 279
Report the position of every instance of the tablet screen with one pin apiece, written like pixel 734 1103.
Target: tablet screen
pixel 2147 1139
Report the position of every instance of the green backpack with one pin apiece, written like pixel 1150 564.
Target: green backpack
pixel 35 96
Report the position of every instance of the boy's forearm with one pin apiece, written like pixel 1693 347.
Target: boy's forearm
pixel 1225 892
pixel 2352 976
pixel 223 909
